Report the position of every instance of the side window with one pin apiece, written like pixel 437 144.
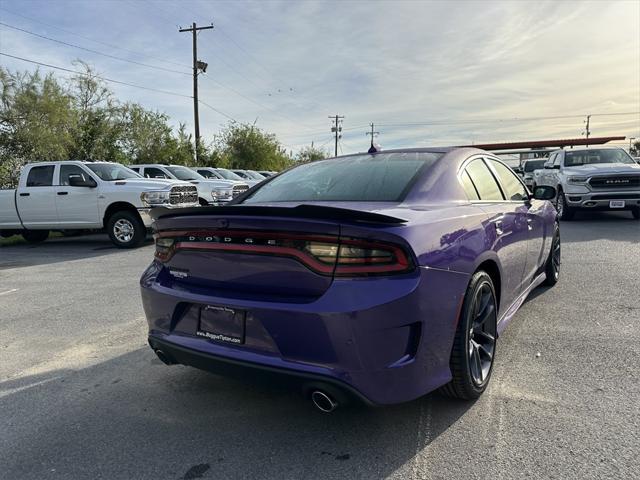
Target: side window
pixel 513 189
pixel 205 173
pixel 135 169
pixel 483 180
pixel 66 170
pixel 152 172
pixel 552 158
pixel 556 161
pixel 467 184
pixel 41 176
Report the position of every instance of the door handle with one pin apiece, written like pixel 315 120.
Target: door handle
pixel 498 224
pixel 530 223
pixel 25 194
pixel 63 193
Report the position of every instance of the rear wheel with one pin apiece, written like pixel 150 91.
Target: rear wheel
pixel 35 236
pixel 474 345
pixel 564 211
pixel 552 267
pixel 126 230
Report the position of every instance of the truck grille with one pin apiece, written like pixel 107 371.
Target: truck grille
pixel 181 195
pixel 615 182
pixel 239 189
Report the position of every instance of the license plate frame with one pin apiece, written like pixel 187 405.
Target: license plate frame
pixel 222 324
pixel 616 204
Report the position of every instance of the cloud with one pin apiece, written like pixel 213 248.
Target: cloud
pixel 291 64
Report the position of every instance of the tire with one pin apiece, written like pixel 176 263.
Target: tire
pixel 636 213
pixel 552 265
pixel 564 212
pixel 35 236
pixel 126 230
pixel 474 345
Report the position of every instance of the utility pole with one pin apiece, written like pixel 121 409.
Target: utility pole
pixel 197 67
pixel 337 129
pixel 372 134
pixel 631 139
pixel 587 132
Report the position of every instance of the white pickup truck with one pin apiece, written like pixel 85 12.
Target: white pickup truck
pixel 592 179
pixel 74 195
pixel 211 191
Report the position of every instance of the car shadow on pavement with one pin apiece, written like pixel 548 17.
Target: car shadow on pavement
pixel 134 417
pixel 58 249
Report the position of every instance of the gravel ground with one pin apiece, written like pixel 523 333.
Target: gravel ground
pixel 82 396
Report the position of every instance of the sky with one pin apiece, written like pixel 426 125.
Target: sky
pixel 426 73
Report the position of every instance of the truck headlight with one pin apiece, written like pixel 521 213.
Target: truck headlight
pixel 154 198
pixel 224 194
pixel 577 179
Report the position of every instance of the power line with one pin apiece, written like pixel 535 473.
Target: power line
pixel 218 111
pixel 166 92
pixel 106 44
pixel 93 51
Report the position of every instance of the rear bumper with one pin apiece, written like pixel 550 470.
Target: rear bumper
pixel 256 372
pixel 383 341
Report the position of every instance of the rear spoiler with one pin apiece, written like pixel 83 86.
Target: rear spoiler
pixel 301 211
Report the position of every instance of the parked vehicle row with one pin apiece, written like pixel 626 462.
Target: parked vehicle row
pixel 211 191
pixel 74 195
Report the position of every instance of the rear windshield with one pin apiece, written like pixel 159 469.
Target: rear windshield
pixel 531 165
pixel 588 157
pixel 361 178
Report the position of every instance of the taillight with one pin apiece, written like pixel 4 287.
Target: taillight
pixel 324 254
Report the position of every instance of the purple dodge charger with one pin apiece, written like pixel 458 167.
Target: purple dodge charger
pixel 379 277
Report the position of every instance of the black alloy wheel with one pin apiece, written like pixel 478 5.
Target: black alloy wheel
pixel 474 345
pixel 552 267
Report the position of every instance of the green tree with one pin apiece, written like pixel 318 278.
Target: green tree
pixel 311 154
pixel 247 146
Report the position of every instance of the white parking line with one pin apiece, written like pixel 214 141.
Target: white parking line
pixel 9 291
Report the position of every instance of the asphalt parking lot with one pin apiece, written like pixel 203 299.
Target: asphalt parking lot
pixel 82 396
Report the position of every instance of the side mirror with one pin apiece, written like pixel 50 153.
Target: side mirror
pixel 518 170
pixel 76 180
pixel 548 165
pixel 544 192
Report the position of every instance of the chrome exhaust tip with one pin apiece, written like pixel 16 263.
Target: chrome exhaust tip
pixel 323 402
pixel 164 358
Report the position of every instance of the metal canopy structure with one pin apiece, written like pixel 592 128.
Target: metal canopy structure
pixel 529 146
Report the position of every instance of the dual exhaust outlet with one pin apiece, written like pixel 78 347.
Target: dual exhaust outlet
pixel 323 401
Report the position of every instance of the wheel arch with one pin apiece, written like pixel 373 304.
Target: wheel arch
pixel 491 267
pixel 118 207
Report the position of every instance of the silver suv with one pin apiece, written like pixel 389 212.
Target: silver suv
pixel 592 179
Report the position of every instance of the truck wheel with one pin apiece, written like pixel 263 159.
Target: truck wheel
pixel 474 345
pixel 636 213
pixel 126 230
pixel 564 212
pixel 35 236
